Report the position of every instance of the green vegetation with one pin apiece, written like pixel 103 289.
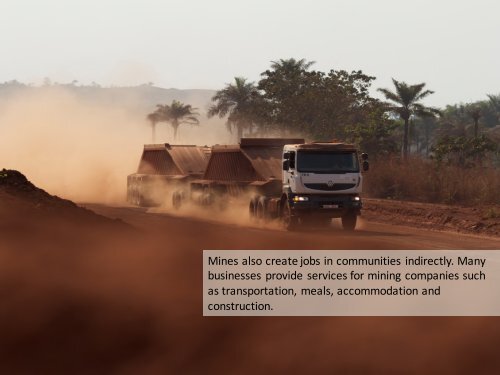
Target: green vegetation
pixel 448 155
pixel 406 103
pixel 238 102
pixel 463 151
pixel 292 99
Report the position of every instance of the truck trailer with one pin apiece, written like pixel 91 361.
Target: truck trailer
pixel 251 167
pixel 164 168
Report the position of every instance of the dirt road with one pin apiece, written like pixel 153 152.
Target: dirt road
pixel 213 233
pixel 86 297
pixel 349 345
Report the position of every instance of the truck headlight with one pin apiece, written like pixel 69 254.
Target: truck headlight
pixel 298 198
pixel 356 199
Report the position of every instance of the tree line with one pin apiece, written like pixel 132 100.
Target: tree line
pixel 293 99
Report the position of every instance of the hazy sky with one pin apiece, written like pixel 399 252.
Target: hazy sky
pixel 452 45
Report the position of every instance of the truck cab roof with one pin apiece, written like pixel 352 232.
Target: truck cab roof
pixel 322 146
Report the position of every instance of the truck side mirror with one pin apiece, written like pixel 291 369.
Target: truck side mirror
pixel 366 165
pixel 286 165
pixel 291 164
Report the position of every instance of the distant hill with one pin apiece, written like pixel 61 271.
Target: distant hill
pixel 141 98
pixel 82 141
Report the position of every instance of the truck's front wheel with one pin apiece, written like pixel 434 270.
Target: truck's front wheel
pixel 349 221
pixel 290 221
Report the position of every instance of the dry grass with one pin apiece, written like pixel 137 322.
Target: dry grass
pixel 425 181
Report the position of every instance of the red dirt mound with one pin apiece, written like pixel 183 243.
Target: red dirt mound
pixel 21 201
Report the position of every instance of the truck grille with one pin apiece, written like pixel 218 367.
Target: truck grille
pixel 325 187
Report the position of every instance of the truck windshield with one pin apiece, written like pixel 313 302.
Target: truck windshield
pixel 327 162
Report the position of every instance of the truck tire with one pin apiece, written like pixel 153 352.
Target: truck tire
pixel 140 201
pixel 261 210
pixel 290 221
pixel 176 200
pixel 349 221
pixel 252 209
pixel 207 199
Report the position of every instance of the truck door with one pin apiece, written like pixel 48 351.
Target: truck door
pixel 289 171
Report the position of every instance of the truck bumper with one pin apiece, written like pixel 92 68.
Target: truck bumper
pixel 326 205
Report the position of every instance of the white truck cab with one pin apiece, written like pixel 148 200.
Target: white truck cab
pixel 330 168
pixel 322 181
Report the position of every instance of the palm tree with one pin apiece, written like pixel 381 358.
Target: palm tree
pixel 405 103
pixel 238 101
pixel 495 104
pixel 292 64
pixel 475 114
pixel 176 114
pixel 154 118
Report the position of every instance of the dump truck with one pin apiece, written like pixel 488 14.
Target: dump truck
pixel 164 168
pixel 299 183
pixel 320 181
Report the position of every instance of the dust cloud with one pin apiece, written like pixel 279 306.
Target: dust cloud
pixel 233 210
pixel 82 146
